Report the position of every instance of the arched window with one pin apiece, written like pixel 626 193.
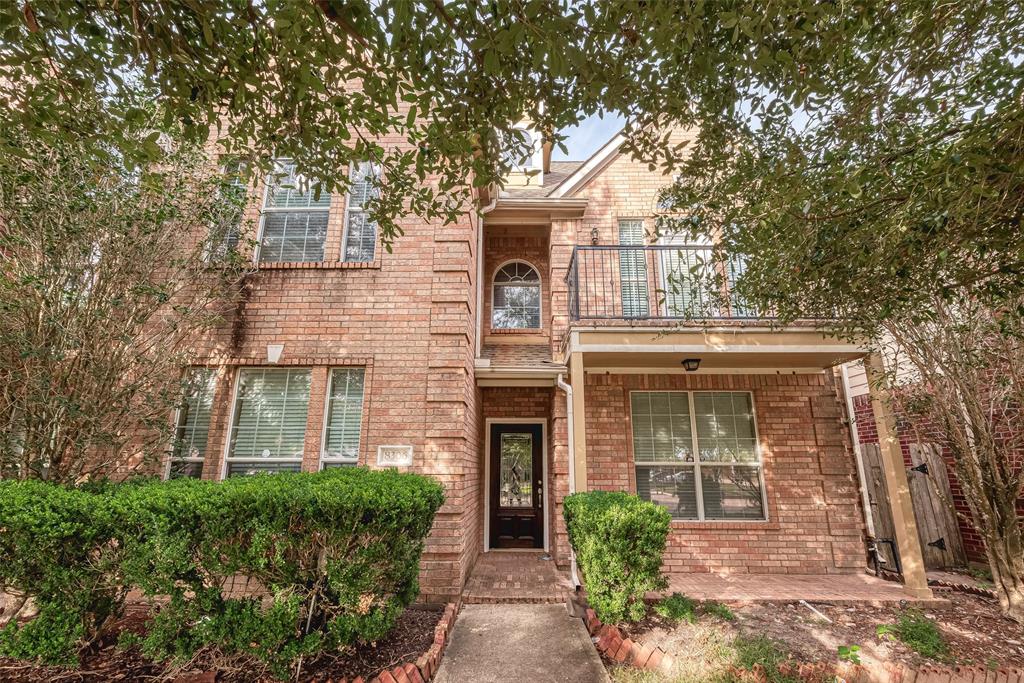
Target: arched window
pixel 516 297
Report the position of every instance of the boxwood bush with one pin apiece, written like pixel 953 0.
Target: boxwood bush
pixel 334 556
pixel 619 541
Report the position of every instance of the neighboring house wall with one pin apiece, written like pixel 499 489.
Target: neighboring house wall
pixel 814 521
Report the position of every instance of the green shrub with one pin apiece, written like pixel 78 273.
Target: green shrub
pixel 619 541
pixel 919 633
pixel 57 550
pixel 677 607
pixel 335 555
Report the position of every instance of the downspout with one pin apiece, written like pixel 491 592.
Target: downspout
pixel 851 416
pixel 480 275
pixel 567 388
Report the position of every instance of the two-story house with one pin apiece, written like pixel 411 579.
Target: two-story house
pixel 533 348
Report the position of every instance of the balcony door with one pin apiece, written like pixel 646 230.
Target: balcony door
pixel 516 485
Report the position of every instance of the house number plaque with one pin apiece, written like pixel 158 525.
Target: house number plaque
pixel 394 456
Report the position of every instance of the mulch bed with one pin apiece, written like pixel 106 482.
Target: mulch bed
pixel 972 626
pixel 411 637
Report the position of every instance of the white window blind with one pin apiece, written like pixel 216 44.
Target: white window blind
pixel 633 269
pixel 687 277
pixel 193 424
pixel 343 425
pixel 724 481
pixel 360 230
pixel 294 217
pixel 268 430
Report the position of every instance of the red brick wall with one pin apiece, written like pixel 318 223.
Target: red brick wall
pixel 814 522
pixel 867 432
pixel 501 245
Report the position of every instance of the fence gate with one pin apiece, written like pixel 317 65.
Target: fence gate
pixel 937 528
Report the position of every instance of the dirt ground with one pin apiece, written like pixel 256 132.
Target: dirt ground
pixel 972 627
pixel 412 636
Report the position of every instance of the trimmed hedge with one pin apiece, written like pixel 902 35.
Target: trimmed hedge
pixel 619 541
pixel 335 555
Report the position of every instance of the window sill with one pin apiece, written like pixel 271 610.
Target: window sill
pixel 318 265
pixel 724 525
pixel 516 330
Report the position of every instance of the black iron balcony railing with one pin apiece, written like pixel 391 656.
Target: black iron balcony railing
pixel 656 282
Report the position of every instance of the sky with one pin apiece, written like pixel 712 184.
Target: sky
pixel 585 139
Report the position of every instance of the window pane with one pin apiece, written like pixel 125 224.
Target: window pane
pixel 516 306
pixel 193 426
pixel 250 468
pixel 673 488
pixel 633 269
pixel 661 426
pixel 181 469
pixel 360 237
pixel 270 414
pixel 516 481
pixel 725 427
pixel 732 492
pixel 288 190
pixel 344 413
pixel 293 236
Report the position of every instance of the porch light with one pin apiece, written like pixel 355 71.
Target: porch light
pixel 691 364
pixel 594 236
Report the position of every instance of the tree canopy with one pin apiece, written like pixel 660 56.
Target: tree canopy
pixel 869 147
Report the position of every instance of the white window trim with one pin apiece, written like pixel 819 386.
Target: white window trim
pixel 697 464
pixel 264 210
pixel 540 298
pixel 324 458
pixel 345 219
pixel 535 157
pixel 226 460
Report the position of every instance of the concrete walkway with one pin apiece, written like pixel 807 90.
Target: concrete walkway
pixel 536 643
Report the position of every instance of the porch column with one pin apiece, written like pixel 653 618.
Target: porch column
pixel 895 471
pixel 579 423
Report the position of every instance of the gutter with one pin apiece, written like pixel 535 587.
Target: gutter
pixel 851 419
pixel 567 388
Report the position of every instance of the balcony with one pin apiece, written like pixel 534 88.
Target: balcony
pixel 655 282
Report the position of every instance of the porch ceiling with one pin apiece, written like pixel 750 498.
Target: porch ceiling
pixel 720 350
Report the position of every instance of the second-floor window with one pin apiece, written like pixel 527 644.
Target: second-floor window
pixel 516 297
pixel 294 218
pixel 360 241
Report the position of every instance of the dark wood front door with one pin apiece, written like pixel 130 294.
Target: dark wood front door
pixel 517 486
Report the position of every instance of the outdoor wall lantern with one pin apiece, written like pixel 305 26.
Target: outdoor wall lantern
pixel 691 364
pixel 594 236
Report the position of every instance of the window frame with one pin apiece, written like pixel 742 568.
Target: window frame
pixel 226 460
pixel 540 296
pixel 257 252
pixel 178 413
pixel 697 464
pixel 330 461
pixel 343 257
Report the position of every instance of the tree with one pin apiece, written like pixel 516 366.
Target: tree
pixel 102 292
pixel 959 376
pixel 857 134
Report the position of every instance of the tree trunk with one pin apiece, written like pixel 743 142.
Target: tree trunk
pixel 1006 559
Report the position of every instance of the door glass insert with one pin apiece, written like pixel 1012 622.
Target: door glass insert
pixel 516 483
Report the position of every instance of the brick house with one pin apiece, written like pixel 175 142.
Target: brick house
pixel 527 350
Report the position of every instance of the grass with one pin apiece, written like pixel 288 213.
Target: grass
pixel 717 609
pixel 677 607
pixel 918 632
pixel 764 651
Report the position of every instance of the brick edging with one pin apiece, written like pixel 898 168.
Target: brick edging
pixel 612 643
pixel 427 664
pixel 962 588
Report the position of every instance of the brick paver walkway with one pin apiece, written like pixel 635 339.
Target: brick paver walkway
pixel 516 577
pixel 833 588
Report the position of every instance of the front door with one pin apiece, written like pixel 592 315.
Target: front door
pixel 517 486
